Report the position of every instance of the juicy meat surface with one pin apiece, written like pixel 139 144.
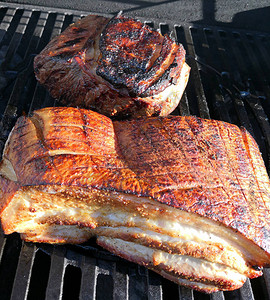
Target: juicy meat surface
pixel 183 196
pixel 119 67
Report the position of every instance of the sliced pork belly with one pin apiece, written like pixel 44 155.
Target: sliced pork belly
pixel 185 197
pixel 119 67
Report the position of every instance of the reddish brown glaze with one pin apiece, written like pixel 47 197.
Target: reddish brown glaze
pixel 206 167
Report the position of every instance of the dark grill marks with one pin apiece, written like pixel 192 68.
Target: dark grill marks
pixel 238 166
pixel 127 44
pixel 214 153
pixel 255 164
pixel 134 56
pixel 199 196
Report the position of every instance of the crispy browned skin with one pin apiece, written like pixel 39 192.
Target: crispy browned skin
pixel 154 190
pixel 207 167
pixel 119 67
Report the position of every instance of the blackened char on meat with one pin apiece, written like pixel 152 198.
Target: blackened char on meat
pixel 119 67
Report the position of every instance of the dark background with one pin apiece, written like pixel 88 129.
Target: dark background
pixel 241 14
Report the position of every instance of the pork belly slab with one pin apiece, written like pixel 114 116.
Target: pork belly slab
pixel 183 196
pixel 119 67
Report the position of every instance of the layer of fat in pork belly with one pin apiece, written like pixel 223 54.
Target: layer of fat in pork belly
pixel 184 247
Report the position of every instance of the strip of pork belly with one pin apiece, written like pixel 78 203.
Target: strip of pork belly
pixel 55 215
pixel 34 210
pixel 163 159
pixel 185 270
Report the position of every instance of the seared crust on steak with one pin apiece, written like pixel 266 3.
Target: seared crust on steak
pixel 118 67
pixel 180 195
pixel 134 56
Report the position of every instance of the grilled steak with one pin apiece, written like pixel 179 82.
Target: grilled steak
pixel 183 196
pixel 118 67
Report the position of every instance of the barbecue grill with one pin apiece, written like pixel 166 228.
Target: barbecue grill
pixel 229 81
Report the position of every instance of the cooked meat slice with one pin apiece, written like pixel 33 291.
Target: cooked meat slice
pixel 185 197
pixel 119 67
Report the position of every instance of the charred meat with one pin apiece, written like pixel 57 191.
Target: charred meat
pixel 118 67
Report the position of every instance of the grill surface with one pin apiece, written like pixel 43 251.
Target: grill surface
pixel 229 81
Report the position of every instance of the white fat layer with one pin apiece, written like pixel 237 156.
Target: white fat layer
pixel 174 92
pixel 174 242
pixel 113 217
pixel 169 221
pixel 190 266
pixel 58 234
pixel 7 170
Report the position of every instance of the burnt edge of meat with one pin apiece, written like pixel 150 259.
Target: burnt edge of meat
pixel 67 67
pixel 134 56
pixel 165 80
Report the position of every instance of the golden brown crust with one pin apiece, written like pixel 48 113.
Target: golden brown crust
pixel 7 191
pixel 205 167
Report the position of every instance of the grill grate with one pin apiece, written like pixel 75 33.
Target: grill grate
pixel 229 81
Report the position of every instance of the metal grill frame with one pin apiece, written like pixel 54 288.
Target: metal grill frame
pixel 223 85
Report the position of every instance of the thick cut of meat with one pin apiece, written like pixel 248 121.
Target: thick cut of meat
pixel 118 67
pixel 183 196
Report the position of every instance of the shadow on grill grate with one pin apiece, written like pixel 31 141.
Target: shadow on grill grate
pixel 39 279
pixel 72 282
pixel 229 81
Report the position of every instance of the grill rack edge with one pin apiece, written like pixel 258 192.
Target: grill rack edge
pixel 240 89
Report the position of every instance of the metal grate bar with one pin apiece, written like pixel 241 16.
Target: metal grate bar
pixel 8 23
pixel 41 97
pixel 266 275
pixel 2 244
pixel 47 21
pixel 257 71
pixel 8 266
pixel 217 296
pixel 58 25
pixel 199 96
pixel 89 277
pixel 259 47
pixel 3 12
pixel 56 276
pixel 183 106
pixel 246 291
pixel 25 44
pixel 215 57
pixel 138 285
pixel 14 42
pixel 240 107
pixel 38 32
pixel 154 286
pixel 208 50
pixel 120 286
pixel 23 274
pixel 185 293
